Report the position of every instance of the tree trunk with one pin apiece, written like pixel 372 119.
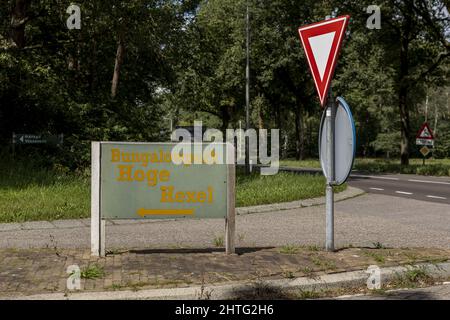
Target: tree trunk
pixel 92 79
pixel 225 119
pixel 119 60
pixel 402 99
pixel 299 133
pixel 436 115
pixel 260 118
pixel 19 19
pixel 404 123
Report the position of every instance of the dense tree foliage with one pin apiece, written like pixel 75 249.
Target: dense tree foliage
pixel 137 66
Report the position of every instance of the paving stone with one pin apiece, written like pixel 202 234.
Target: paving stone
pixel 30 271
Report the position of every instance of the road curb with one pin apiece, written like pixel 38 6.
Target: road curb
pixel 349 193
pixel 242 289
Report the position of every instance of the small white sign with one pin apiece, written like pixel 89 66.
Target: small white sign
pixel 424 142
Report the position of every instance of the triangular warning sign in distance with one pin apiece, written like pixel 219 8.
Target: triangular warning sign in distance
pixel 322 43
pixel 425 132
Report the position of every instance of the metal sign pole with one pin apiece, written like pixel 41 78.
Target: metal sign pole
pixel 330 118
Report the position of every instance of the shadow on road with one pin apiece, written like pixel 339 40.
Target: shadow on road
pixel 239 251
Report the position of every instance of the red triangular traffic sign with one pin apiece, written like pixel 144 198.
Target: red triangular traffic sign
pixel 322 43
pixel 425 132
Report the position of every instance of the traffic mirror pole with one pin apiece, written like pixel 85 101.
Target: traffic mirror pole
pixel 330 117
pixel 319 38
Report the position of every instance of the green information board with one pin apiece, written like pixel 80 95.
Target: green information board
pixel 141 180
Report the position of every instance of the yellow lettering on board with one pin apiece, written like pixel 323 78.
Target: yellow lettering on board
pixel 115 155
pixel 166 194
pixel 152 178
pixel 139 175
pixel 125 173
pixel 201 197
pixel 210 194
pixel 179 197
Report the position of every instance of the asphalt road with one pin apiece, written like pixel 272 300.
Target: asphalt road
pixel 430 189
pixel 361 221
pixel 423 188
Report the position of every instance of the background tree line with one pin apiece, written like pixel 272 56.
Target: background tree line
pixel 137 67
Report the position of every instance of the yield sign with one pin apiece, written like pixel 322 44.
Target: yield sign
pixel 322 43
pixel 425 132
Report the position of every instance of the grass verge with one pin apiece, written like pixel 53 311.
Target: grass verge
pixel 30 193
pixel 433 167
pixel 255 189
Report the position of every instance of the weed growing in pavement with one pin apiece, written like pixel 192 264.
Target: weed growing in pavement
pixel 309 272
pixel 288 274
pixel 378 245
pixel 412 257
pixel 289 249
pixel 324 264
pixel 54 245
pixel 308 294
pixel 204 294
pixel 379 292
pixel 92 272
pixel 413 277
pixel 313 248
pixel 218 241
pixel 378 257
pixel 116 286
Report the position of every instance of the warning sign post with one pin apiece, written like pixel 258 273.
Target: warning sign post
pixel 425 140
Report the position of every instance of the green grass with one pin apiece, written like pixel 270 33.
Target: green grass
pixel 308 294
pixel 310 163
pixel 323 263
pixel 289 249
pixel 378 257
pixel 413 277
pixel 218 241
pixel 432 167
pixel 28 193
pixel 284 187
pixel 92 272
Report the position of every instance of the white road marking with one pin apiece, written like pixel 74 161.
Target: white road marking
pixel 377 189
pixel 374 177
pixel 403 192
pixel 436 197
pixel 426 181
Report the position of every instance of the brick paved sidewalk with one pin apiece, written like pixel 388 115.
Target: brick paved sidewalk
pixel 32 271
